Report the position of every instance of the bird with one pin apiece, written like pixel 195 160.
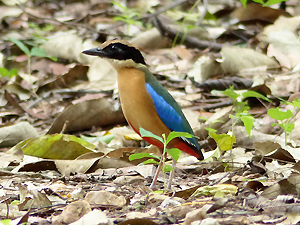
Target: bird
pixel 145 102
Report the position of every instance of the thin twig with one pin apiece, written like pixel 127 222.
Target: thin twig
pixel 205 2
pixel 189 41
pixel 163 9
pixel 52 19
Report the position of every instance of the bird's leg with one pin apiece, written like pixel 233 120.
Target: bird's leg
pixel 171 174
pixel 156 175
pixel 163 157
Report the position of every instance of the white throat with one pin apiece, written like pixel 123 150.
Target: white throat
pixel 118 64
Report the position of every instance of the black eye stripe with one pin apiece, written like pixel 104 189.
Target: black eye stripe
pixel 121 51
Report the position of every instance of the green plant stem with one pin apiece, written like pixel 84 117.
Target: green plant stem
pixel 29 65
pixel 191 9
pixel 164 159
pixel 285 137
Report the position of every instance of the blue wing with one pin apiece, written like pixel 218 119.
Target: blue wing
pixel 166 112
pixel 168 109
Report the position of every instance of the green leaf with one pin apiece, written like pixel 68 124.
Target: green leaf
pixel 3 71
pixel 15 202
pixel 216 121
pixel 211 129
pixel 150 161
pixel 145 133
pixel 142 155
pixel 168 168
pixel 132 14
pixel 231 93
pixel 281 125
pixel 289 127
pixel 35 51
pixel 209 16
pixel 106 138
pixel 48 27
pixel 244 3
pixel 296 103
pixel 21 46
pixel 6 222
pixel 55 146
pixel 215 154
pixel 174 153
pixel 13 72
pixel 175 134
pixel 255 94
pixel 240 107
pixel 202 118
pixel 224 141
pixel 259 1
pixel 248 123
pixel 278 114
pixel 120 18
pixel 273 2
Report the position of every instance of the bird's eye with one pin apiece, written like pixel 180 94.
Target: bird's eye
pixel 113 48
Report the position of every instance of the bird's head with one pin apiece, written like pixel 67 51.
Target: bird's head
pixel 119 53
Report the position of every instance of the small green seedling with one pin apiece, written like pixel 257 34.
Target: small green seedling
pixel 224 141
pixel 173 152
pixel 35 51
pixel 241 108
pixel 130 16
pixel 38 32
pixel 8 73
pixel 284 117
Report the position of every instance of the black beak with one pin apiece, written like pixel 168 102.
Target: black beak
pixel 94 51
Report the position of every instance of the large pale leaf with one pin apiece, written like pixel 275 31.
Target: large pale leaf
pixel 56 146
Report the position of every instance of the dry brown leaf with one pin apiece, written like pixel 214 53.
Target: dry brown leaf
pixel 85 115
pixel 35 165
pixel 137 221
pixel 105 198
pixel 10 210
pixel 95 217
pixel 204 68
pixel 106 163
pixel 127 180
pixel 66 80
pixel 283 187
pixel 72 212
pixel 14 133
pixel 197 214
pixel 150 40
pixel 235 59
pixel 67 167
pixel 33 197
pixel 258 12
pixel 7 159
